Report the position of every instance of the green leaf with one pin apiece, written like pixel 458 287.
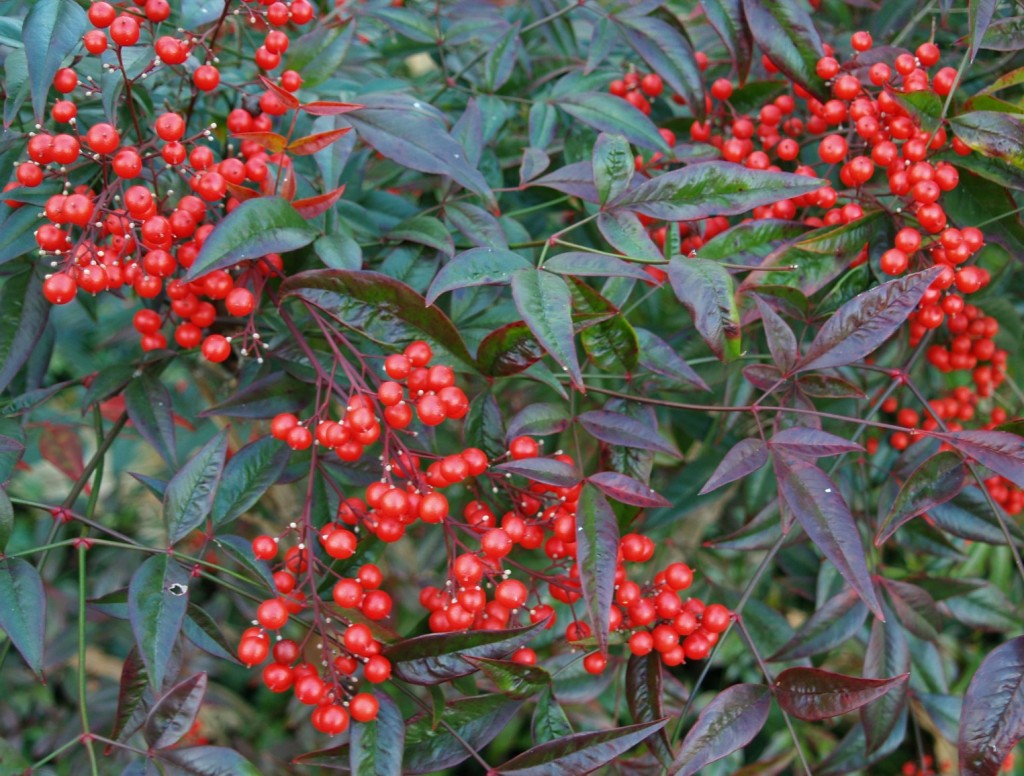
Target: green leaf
pixel 6 519
pixel 253 229
pixel 993 134
pixel 726 16
pixel 501 59
pixel 247 476
pixel 785 31
pixel 157 601
pixel 173 714
pixel 382 309
pixel 338 251
pixel 934 482
pixel 549 722
pixel 202 630
pixel 624 231
pixel 544 301
pixel 597 546
pixel 319 53
pixel 706 289
pixel 887 655
pixel 438 657
pixel 607 113
pixel 832 624
pixel 484 425
pixel 727 724
pixel 613 165
pixel 210 761
pixel 476 267
pixel 711 188
pixel 17 232
pixel 408 23
pixel 514 680
pixel 812 694
pixel 375 747
pixel 24 312
pixel 509 350
pixel 23 610
pixel 924 106
pixel 190 492
pixel 148 403
pixel 580 752
pixel 750 242
pixel 425 231
pixel 476 721
pixel 52 30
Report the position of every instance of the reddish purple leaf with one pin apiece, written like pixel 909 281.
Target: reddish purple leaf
pixel 283 95
pixel 328 108
pixel 546 470
pixel 763 376
pixel 811 443
pixel 914 607
pixel 812 694
pixel 745 457
pixel 579 753
pixel 627 490
pixel 310 144
pixel 706 289
pixel 173 714
pixel 575 179
pixel 617 429
pixel 1000 451
pixel 597 547
pixel 131 689
pixel 992 716
pixel 818 506
pixel 864 323
pixel 838 620
pixel 311 207
pixel 781 340
pixel 645 695
pixel 727 724
pixel 934 482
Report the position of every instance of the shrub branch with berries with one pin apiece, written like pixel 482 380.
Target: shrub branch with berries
pixel 415 387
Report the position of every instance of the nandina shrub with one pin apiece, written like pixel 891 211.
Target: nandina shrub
pixel 510 388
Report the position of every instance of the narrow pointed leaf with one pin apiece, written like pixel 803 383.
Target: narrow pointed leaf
pixel 811 443
pixel 607 113
pixel 131 689
pixel 438 657
pixel 979 16
pixel 148 403
pixel 660 358
pixel 513 679
pixel 745 457
pixel 1000 451
pixel 618 429
pixel 476 267
pixel 52 29
pixel 812 694
pixel 992 717
pixel 311 207
pixel 781 340
pixel 728 723
pixel 627 490
pixel 549 722
pixel 915 608
pixel 210 761
pixel 864 323
pixel 431 746
pixel 310 144
pixel 253 229
pixel 173 714
pixel 711 188
pixel 546 470
pixel 644 696
pixel 665 48
pixel 544 301
pixel 706 289
pixel 818 506
pixel 597 546
pixel 888 654
pixel 157 601
pixel 247 476
pixel 934 482
pixel 23 610
pixel 580 752
pixel 785 31
pixel 189 496
pixel 837 621
pixel 583 264
pixel 375 747
pixel 726 16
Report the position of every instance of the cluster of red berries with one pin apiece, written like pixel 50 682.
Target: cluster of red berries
pixel 136 231
pixel 638 90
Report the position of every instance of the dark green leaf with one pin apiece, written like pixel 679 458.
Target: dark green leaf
pixel 728 723
pixel 501 59
pixel 706 289
pixel 934 482
pixel 148 403
pixel 438 657
pixel 726 16
pixel 476 720
pixel 612 162
pixel 23 315
pixel 812 694
pixel 864 323
pixel 52 29
pixel 23 610
pixel 785 31
pixel 476 267
pixel 969 516
pixel 262 398
pixel 319 53
pixel 408 23
pixel 580 752
pixel 375 747
pixel 712 188
pixel 544 301
pixel 624 231
pixel 549 722
pixel 6 519
pixel 513 679
pixel 815 501
pixel 484 426
pixel 834 623
pixel 992 133
pixel 253 229
pixel 509 350
pixel 609 342
pixel 189 495
pixel 157 600
pixel 201 629
pixel 425 231
pixel 924 106
pixel 597 541
pixel 17 232
pixel 247 476
pixel 381 308
pixel 210 761
pixel 992 718
pixel 173 714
